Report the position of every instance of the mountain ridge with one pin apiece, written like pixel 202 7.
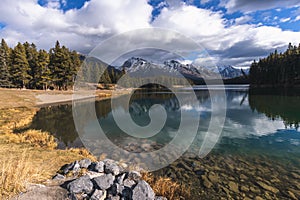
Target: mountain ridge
pixel 192 71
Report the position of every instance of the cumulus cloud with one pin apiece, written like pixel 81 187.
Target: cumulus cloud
pixel 202 25
pixel 243 19
pixel 82 29
pixel 79 29
pixel 254 5
pixel 235 44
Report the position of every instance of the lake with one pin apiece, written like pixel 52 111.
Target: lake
pixel 257 153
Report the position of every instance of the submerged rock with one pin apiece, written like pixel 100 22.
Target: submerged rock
pixel 267 187
pixel 233 186
pixel 206 182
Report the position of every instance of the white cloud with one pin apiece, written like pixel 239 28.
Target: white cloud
pixel 283 20
pixel 297 18
pixel 79 29
pixel 243 19
pixel 53 4
pixel 204 1
pixel 237 44
pixel 255 5
pixel 82 29
pixel 200 24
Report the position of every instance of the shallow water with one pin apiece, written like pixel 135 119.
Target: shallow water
pixel 261 130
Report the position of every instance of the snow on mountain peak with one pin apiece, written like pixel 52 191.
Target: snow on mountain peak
pixel 135 64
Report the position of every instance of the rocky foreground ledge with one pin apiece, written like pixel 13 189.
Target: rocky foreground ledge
pixel 101 180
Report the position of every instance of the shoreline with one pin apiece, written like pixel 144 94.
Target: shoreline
pixel 17 98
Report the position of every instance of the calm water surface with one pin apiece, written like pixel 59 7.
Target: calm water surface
pixel 260 125
pixel 255 121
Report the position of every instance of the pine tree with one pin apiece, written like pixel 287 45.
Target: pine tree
pixel 56 66
pixel 32 57
pixel 20 68
pixel 43 72
pixel 5 53
pixel 68 68
pixel 76 64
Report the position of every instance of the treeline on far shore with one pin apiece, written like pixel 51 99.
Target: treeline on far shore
pixel 278 69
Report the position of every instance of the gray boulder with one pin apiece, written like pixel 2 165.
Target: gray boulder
pixel 129 183
pixel 143 191
pixel 97 166
pixel 58 177
pixel 126 193
pixel 73 196
pixel 113 198
pixel 113 168
pixel 85 163
pixel 134 175
pixel 115 189
pixel 121 178
pixel 74 166
pixel 81 185
pixel 105 181
pixel 98 195
pixel 161 198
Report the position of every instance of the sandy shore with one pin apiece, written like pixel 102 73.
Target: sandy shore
pixel 14 98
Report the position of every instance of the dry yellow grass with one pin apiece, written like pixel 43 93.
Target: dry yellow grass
pixel 14 175
pixel 22 163
pixel 164 186
pixel 35 138
pixel 29 156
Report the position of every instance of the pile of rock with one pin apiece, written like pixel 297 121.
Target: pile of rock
pixel 104 180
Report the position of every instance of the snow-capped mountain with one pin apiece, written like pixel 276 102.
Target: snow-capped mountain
pixel 187 70
pixel 228 72
pixel 142 66
pixel 139 65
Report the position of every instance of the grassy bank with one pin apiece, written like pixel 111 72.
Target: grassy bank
pixel 27 156
pixel 30 156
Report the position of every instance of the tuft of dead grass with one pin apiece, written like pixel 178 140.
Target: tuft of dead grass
pixel 165 186
pixel 35 138
pixel 82 152
pixel 14 175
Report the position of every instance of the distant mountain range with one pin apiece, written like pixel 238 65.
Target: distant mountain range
pixel 191 71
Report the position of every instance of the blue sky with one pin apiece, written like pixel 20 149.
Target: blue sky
pixel 234 32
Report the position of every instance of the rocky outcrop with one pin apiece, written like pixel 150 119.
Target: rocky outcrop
pixel 103 180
